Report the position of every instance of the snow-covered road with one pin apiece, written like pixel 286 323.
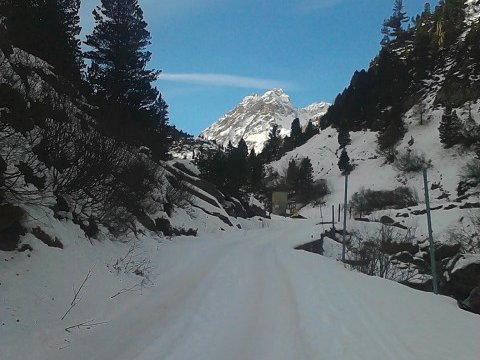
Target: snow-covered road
pixel 247 295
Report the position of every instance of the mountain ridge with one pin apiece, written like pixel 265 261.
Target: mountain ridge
pixel 254 116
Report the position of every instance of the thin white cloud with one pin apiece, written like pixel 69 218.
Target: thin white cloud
pixel 225 80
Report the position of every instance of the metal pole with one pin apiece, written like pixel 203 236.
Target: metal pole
pixel 430 233
pixel 338 213
pixel 333 222
pixel 345 218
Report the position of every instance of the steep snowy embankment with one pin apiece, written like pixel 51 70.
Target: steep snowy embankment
pixel 237 295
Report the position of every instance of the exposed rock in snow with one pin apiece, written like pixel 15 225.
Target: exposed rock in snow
pixel 253 118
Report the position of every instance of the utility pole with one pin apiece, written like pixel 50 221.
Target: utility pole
pixel 345 217
pixel 430 233
pixel 333 221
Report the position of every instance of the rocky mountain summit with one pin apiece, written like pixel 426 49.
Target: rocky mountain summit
pixel 253 118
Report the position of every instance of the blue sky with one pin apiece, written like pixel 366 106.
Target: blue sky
pixel 215 52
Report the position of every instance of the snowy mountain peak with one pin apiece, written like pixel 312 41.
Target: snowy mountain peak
pixel 254 116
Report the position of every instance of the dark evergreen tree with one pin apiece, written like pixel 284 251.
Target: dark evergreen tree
pixel 310 131
pixel 255 171
pixel 132 109
pixel 237 167
pixel 292 174
pixel 159 133
pixel 305 174
pixel 230 148
pixel 288 144
pixel 452 15
pixel 344 163
pixel 273 145
pixel 450 128
pixel 392 130
pixel 393 26
pixel 118 72
pixel 296 133
pixel 427 11
pixel 48 29
pixel 213 168
pixel 305 181
pixel 242 149
pixel 343 135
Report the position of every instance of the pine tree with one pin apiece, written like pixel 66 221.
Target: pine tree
pixel 48 29
pixel 427 11
pixel 255 171
pixel 118 72
pixel 450 128
pixel 305 180
pixel 344 163
pixel 213 168
pixel 310 131
pixel 242 149
pixel 391 132
pixel 296 133
pixel 159 134
pixel 237 167
pixel 452 15
pixel 392 27
pixel 292 174
pixel 273 145
pixel 343 135
pixel 305 174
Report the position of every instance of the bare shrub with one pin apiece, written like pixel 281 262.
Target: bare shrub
pixel 178 194
pixel 366 200
pixel 133 262
pixel 369 253
pixel 467 236
pixel 471 170
pixel 411 161
pixel 18 167
pixel 314 192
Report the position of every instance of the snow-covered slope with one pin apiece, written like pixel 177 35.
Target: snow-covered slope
pixel 253 118
pixel 237 295
pixel 372 172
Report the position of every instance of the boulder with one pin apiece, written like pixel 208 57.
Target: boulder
pixel 9 215
pixel 387 220
pixel 444 251
pixel 10 237
pixel 146 221
pixel 472 303
pixel 47 239
pixel 392 248
pixel 404 257
pixel 464 276
pixel 234 208
pixel 62 204
pixel 10 227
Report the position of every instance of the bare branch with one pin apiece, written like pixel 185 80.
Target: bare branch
pixel 76 299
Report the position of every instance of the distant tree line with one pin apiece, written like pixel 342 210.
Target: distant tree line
pixel 276 146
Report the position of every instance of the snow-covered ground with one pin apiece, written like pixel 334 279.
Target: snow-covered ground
pixel 238 294
pixel 371 171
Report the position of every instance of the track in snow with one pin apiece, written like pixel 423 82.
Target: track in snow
pixel 251 297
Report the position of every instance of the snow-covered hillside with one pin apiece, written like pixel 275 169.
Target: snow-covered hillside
pixel 372 172
pixel 240 294
pixel 253 118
